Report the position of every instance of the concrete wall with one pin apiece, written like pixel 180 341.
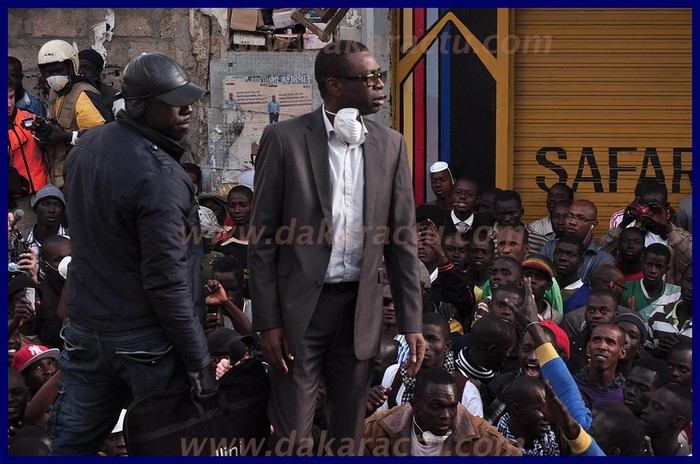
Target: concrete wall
pixel 228 160
pixel 188 35
pixel 198 40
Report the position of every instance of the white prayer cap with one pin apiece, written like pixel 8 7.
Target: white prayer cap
pixel 119 427
pixel 440 166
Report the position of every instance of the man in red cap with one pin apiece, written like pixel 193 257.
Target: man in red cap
pixel 37 364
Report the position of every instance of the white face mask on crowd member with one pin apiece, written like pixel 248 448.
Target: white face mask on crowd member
pixel 57 83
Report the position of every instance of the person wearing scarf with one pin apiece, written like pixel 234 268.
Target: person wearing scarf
pixel 524 421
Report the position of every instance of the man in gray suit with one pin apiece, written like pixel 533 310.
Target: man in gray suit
pixel 333 195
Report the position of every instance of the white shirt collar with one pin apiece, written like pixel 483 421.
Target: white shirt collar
pixel 455 220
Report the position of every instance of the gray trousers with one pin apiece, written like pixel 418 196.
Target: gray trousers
pixel 326 350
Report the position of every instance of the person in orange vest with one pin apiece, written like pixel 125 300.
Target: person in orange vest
pixel 24 155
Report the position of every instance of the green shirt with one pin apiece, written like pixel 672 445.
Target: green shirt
pixel 638 299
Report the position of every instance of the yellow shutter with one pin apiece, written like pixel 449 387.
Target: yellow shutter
pixel 599 80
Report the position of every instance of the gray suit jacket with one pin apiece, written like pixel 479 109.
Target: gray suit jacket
pixel 290 245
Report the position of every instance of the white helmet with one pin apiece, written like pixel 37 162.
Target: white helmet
pixel 55 51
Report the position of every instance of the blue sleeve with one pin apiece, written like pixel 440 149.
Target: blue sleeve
pixel 554 370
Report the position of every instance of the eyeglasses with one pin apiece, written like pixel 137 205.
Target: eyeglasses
pixel 371 79
pixel 578 217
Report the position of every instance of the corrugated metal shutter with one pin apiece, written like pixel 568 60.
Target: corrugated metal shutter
pixel 596 81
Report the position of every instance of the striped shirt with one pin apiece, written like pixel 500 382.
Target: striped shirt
pixel 665 320
pixel 402 354
pixel 638 298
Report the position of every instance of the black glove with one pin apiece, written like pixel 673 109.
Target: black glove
pixel 204 382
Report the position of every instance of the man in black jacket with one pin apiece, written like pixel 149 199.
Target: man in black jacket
pixel 133 297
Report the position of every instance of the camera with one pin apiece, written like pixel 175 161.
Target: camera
pixel 39 126
pixel 643 210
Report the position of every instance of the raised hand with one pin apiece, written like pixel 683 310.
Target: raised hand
pixel 216 294
pixel 526 313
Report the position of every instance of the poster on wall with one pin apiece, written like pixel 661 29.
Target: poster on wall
pixel 251 103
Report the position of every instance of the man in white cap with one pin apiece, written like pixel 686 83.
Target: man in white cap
pixel 114 444
pixel 442 184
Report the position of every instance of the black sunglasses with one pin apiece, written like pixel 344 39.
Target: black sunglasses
pixel 370 79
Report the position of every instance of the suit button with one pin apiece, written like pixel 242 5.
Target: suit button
pixel 327 247
pixel 318 284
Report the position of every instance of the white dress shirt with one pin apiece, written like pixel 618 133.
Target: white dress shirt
pixel 467 222
pixel 347 197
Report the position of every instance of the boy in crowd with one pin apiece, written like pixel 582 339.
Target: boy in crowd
pixel 673 322
pixel 652 292
pixel 629 253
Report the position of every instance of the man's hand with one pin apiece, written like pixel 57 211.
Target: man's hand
pixel 555 411
pixel 216 294
pixel 377 397
pixel 526 313
pixel 430 237
pixel 666 342
pixel 275 349
pixel 212 323
pixel 27 263
pixel 223 367
pixel 630 214
pixel 416 351
pixel 203 382
pixel 57 135
pixel 448 311
pixel 658 217
pixel 24 309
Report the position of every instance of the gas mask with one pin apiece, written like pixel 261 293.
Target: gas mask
pixel 346 126
pixel 57 83
pixel 63 267
pixel 429 437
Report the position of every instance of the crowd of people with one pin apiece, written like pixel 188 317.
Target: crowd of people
pixel 370 325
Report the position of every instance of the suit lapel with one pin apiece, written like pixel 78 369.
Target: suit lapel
pixel 317 144
pixel 373 170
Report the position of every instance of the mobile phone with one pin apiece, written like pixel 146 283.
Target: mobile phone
pixel 30 294
pixel 27 122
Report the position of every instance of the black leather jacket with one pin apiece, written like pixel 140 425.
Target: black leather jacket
pixel 135 261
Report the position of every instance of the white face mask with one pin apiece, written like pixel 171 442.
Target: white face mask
pixel 429 437
pixel 63 267
pixel 57 83
pixel 346 126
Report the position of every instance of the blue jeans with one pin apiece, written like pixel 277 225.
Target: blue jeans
pixel 101 372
